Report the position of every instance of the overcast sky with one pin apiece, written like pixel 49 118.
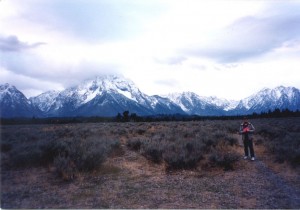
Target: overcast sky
pixel 228 49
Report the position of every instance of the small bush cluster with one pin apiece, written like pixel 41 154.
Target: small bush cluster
pixel 141 131
pixel 184 154
pixel 26 156
pixel 153 151
pixel 223 159
pixel 6 147
pixel 286 148
pixel 82 155
pixel 134 144
pixel 179 149
pixel 281 137
pixel 69 150
pixel 65 167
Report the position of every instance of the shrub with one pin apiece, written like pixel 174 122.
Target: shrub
pixel 183 155
pixel 152 150
pixel 141 131
pixel 79 155
pixel 208 142
pixel 120 132
pixel 26 156
pixel 259 141
pixel 84 133
pixel 134 144
pixel 182 159
pixel 88 155
pixel 231 141
pixel 115 148
pixel 286 148
pixel 6 147
pixel 54 148
pixel 225 160
pixel 65 167
pixel 68 155
pixel 231 126
pixel 218 134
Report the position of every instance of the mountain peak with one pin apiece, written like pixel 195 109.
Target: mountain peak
pixel 107 83
pixel 7 86
pixel 9 90
pixel 268 99
pixel 13 103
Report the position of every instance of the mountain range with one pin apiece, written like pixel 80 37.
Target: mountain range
pixel 110 95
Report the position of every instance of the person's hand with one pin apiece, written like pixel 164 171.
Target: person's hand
pixel 245 130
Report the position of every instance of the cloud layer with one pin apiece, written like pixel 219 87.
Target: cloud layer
pixel 252 36
pixel 163 46
pixel 12 43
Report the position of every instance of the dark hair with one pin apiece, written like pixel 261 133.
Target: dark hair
pixel 245 124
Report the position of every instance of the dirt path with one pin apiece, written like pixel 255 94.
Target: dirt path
pixel 269 185
pixel 287 194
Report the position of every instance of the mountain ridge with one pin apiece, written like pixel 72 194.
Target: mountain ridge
pixel 109 95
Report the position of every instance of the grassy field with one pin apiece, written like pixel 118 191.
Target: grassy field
pixel 139 165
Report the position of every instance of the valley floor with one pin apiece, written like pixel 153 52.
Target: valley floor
pixel 130 180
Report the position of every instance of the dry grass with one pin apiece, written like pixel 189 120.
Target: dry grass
pixel 129 179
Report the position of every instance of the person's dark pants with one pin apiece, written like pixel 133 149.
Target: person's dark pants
pixel 248 145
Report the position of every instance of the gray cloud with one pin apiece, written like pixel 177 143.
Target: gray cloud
pixel 93 20
pixel 16 59
pixel 64 73
pixel 12 43
pixel 250 36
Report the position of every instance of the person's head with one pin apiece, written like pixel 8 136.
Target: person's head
pixel 245 123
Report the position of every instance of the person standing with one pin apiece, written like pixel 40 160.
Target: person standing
pixel 246 130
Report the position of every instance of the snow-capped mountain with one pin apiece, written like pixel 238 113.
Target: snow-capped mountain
pixel 110 95
pixel 192 103
pixel 269 99
pixel 104 96
pixel 222 103
pixel 13 103
pixel 45 100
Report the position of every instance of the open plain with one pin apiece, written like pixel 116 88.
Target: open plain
pixel 195 164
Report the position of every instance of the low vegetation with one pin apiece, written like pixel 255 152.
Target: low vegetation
pixel 69 151
pixel 184 149
pixel 183 164
pixel 282 138
pixel 74 148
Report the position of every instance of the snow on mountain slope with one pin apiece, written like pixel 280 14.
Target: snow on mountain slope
pixel 13 103
pixel 89 89
pixel 109 95
pixel 45 100
pixel 11 91
pixel 268 99
pixel 221 102
pixel 192 103
pixel 83 93
pixel 106 94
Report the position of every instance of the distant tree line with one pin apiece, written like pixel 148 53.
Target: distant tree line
pixel 133 117
pixel 278 113
pixel 126 116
